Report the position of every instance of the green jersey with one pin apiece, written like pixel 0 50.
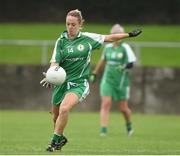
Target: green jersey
pixel 74 54
pixel 116 58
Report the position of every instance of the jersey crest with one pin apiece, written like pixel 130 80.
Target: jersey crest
pixel 80 47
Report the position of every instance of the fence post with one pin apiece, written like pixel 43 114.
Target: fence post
pixel 138 53
pixel 44 54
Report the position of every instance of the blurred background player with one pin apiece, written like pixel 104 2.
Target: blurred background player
pixel 117 57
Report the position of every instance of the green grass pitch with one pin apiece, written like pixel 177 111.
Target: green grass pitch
pixel 166 57
pixel 29 132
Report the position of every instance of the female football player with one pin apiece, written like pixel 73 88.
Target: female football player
pixel 72 52
pixel 117 57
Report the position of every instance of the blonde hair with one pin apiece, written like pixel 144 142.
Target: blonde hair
pixel 76 13
pixel 117 28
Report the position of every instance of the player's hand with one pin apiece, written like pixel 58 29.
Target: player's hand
pixel 44 82
pixel 135 32
pixel 121 67
pixel 92 78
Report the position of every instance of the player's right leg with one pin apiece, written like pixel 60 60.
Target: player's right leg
pixel 55 113
pixel 57 142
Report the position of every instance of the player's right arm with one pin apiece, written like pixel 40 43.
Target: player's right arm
pixel 54 62
pixel 98 67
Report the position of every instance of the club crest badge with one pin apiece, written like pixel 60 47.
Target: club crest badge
pixel 80 47
pixel 119 55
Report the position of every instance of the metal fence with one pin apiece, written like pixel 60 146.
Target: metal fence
pixel 44 44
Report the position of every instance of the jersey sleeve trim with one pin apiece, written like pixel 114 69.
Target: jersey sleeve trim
pixel 130 54
pixel 96 37
pixel 53 58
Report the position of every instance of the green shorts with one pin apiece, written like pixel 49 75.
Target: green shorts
pixel 81 89
pixel 116 93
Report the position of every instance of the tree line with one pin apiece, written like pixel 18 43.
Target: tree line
pixel 99 11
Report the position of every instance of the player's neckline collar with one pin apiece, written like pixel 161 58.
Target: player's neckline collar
pixel 65 35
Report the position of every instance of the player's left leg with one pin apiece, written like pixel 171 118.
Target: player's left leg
pixel 123 106
pixel 106 102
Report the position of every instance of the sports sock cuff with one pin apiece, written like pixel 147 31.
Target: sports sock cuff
pixel 129 125
pixel 103 129
pixel 57 137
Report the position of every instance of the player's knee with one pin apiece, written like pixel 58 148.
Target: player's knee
pixel 63 110
pixel 125 110
pixel 106 105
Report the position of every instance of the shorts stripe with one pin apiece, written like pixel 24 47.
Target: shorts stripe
pixel 86 91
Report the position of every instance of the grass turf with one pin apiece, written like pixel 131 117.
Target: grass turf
pixel 29 132
pixel 37 31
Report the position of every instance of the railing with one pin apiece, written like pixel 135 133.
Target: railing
pixel 46 43
pixel 43 43
pixel 138 45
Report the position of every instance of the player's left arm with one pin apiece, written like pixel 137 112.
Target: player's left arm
pixel 116 37
pixel 129 65
pixel 125 66
pixel 130 56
